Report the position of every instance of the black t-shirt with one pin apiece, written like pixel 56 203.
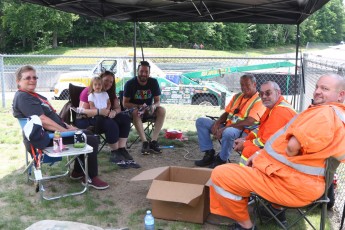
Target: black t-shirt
pixel 140 94
pixel 25 105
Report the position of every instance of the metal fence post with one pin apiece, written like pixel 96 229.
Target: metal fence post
pixel 2 77
pixel 223 99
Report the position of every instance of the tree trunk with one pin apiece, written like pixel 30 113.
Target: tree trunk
pixel 55 44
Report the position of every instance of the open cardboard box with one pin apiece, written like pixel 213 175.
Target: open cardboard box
pixel 178 193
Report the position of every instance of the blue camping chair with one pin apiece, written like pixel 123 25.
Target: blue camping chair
pixel 36 157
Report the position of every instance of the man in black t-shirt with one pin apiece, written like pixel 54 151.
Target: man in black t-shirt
pixel 143 94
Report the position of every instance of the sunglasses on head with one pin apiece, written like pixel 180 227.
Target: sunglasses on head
pixel 266 93
pixel 29 78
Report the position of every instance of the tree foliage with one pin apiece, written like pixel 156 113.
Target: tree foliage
pixel 25 27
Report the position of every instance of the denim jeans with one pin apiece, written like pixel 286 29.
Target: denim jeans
pixel 204 126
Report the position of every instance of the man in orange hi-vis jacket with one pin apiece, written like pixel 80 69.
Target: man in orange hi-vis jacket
pixel 241 115
pixel 278 113
pixel 289 171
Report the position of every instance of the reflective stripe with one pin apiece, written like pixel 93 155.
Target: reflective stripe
pixel 225 193
pixel 258 142
pixel 339 114
pixel 243 160
pixel 316 171
pixel 237 96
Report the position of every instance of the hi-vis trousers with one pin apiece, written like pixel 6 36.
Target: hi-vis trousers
pixel 274 181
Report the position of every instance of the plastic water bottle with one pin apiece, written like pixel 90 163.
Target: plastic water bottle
pixel 149 221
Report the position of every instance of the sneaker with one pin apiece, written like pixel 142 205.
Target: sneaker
pixel 133 164
pixel 236 226
pixel 154 147
pixel 277 212
pixel 97 183
pixel 145 149
pixel 117 158
pixel 207 159
pixel 125 154
pixel 218 161
pixel 76 175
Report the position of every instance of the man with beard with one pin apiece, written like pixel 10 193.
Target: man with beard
pixel 143 94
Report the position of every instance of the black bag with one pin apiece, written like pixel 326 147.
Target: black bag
pixel 65 113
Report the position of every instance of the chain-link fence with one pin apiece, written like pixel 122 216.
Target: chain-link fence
pixel 183 80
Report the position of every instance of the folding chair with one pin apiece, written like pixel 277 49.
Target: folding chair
pixel 74 93
pixel 149 121
pixel 47 155
pixel 331 166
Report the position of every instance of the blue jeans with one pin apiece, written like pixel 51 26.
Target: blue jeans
pixel 204 126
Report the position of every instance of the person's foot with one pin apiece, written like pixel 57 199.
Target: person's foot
pixel 236 226
pixel 218 161
pixel 207 159
pixel 125 154
pixel 117 158
pixel 280 214
pixel 97 183
pixel 154 147
pixel 145 149
pixel 133 164
pixel 76 175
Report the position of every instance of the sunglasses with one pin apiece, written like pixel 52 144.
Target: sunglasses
pixel 29 78
pixel 266 93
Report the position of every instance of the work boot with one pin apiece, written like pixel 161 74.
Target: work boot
pixel 207 159
pixel 216 162
pixel 277 212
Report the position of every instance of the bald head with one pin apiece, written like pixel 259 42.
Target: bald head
pixel 329 88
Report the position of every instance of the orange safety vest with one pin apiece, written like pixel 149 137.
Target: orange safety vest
pixel 240 108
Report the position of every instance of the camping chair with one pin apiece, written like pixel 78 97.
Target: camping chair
pixel 74 93
pixel 149 121
pixel 331 166
pixel 42 156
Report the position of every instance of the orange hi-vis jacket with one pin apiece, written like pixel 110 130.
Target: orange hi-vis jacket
pixel 271 121
pixel 291 181
pixel 245 107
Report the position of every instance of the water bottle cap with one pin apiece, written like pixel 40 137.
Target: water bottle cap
pixel 148 212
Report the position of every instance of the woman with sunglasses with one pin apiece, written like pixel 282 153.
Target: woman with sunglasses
pixel 27 102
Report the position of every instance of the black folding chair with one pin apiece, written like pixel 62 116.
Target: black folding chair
pixel 74 93
pixel 331 166
pixel 149 121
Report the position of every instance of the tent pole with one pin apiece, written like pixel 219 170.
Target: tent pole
pixel 135 50
pixel 296 62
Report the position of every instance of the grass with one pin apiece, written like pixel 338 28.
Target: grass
pixel 20 206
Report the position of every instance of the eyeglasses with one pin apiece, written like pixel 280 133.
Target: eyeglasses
pixel 29 78
pixel 266 93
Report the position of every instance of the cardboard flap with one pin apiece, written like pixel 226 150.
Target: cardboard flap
pixel 175 192
pixel 149 174
pixel 209 182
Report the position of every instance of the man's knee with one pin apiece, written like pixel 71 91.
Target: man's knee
pixel 201 121
pixel 160 111
pixel 230 133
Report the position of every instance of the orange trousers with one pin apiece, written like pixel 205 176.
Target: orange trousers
pixel 277 183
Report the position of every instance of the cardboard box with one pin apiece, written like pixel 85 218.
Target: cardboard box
pixel 178 193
